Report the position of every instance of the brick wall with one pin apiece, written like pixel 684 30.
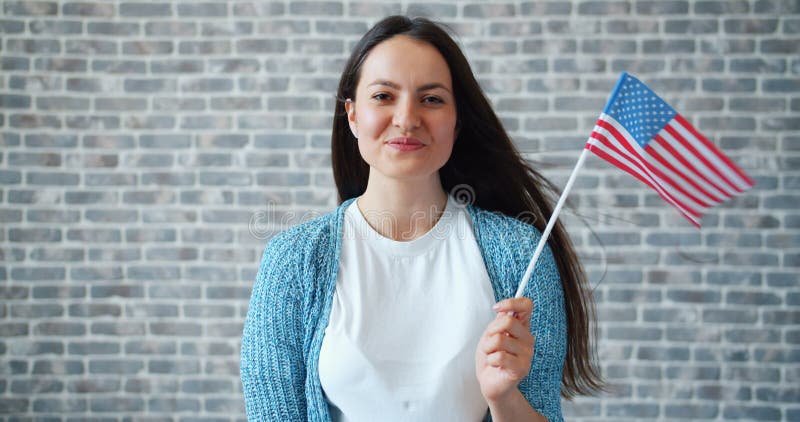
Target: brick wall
pixel 149 149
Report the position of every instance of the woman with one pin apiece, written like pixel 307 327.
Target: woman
pixel 382 310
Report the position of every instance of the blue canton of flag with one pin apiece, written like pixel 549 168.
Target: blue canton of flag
pixel 641 134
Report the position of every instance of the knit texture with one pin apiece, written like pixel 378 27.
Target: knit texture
pixel 292 298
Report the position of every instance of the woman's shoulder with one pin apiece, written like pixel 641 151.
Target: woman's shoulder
pixel 315 235
pixel 504 228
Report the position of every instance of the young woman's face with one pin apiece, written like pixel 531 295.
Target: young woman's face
pixel 404 113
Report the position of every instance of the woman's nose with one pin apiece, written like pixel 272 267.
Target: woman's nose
pixel 406 115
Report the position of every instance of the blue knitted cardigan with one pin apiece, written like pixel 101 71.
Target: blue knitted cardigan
pixel 292 298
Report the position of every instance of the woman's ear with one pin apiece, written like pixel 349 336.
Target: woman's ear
pixel 350 108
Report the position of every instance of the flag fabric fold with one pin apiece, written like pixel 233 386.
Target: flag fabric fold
pixel 641 134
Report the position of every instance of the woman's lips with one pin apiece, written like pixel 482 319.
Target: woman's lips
pixel 406 144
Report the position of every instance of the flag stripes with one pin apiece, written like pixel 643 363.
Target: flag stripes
pixel 680 164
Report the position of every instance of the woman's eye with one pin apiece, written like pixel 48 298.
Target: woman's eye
pixel 380 96
pixel 433 100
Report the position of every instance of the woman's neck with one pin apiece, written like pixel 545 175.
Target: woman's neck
pixel 402 210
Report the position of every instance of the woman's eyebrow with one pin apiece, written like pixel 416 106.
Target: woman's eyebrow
pixel 393 85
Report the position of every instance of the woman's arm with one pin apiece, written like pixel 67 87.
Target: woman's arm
pixel 503 359
pixel 272 367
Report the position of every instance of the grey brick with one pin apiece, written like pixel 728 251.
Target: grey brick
pixel 692 411
pixel 777 355
pixel 224 405
pixel 209 10
pixel 90 46
pixel 757 104
pixel 58 405
pixel 58 292
pixel 183 104
pixel 113 28
pixel 251 9
pixel 489 10
pixel 729 316
pixel 170 29
pixel 206 386
pixel 138 385
pixel 8 26
pixel 752 298
pixel 207 197
pixel 150 347
pixel 84 386
pixel 58 367
pixel 88 9
pixel 13 329
pixel 36 386
pixel 119 67
pixel 116 290
pixel 119 404
pixel 93 348
pixel 15 101
pixel 59 64
pixel 210 47
pixel 173 367
pixel 659 7
pixel 147 48
pixel 776 6
pixel 141 10
pixel 158 311
pixel 94 235
pixel 750 26
pixel 695 373
pixel 92 310
pixel 727 46
pixel 112 216
pixel 59 329
pixel 317 46
pixel 33 46
pixel 752 374
pixel 691 26
pixel 739 278
pixel 632 410
pixel 205 122
pixel 174 292
pixel 14 63
pixel 433 10
pixel 172 405
pixel 175 329
pixel 30 121
pixel 118 328
pixel 225 28
pixel 604 8
pixel 262 46
pixel 34 159
pixel 694 296
pixel 781 317
pixel 721 7
pixel 92 122
pixel 34 311
pixel 34 235
pixel 779 46
pixel 169 216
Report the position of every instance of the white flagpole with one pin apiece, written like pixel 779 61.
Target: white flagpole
pixel 550 224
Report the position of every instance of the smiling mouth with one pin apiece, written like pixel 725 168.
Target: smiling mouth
pixel 405 141
pixel 405 144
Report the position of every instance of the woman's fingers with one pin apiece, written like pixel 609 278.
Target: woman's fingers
pixel 520 307
pixel 508 325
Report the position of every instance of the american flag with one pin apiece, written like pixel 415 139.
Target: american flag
pixel 641 134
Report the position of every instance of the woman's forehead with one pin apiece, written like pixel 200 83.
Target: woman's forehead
pixel 402 61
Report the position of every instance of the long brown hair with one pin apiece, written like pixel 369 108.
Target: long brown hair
pixel 485 159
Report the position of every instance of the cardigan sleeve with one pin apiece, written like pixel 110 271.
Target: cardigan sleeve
pixel 272 368
pixel 510 245
pixel 542 386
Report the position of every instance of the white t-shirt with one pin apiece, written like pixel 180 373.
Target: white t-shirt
pixel 405 321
